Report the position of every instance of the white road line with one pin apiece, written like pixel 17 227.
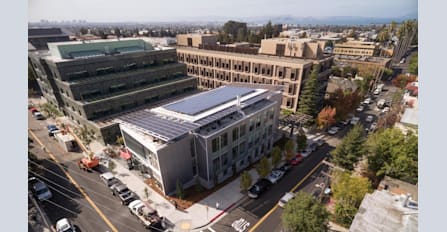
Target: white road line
pixel 209 228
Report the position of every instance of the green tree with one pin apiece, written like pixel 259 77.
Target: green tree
pixel 85 134
pixel 329 43
pixel 348 194
pixel 179 190
pixel 391 153
pixel 308 101
pixel 383 35
pixel 50 110
pixel 83 30
pixel 246 181
pixel 276 156
pixel 119 140
pixel 413 66
pixel 301 141
pixel 289 149
pixel 350 150
pixel 304 213
pixel 263 168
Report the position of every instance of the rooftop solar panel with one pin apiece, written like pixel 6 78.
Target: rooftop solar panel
pixel 202 102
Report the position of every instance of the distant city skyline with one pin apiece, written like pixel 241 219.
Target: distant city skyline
pixel 177 10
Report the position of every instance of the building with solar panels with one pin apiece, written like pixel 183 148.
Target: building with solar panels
pixel 210 136
pixel 91 81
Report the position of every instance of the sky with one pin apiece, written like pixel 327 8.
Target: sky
pixel 172 10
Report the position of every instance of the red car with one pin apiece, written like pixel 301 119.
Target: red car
pixel 33 109
pixel 297 159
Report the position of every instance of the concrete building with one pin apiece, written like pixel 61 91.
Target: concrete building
pixel 357 48
pixel 216 68
pixel 92 80
pixel 301 48
pixel 39 37
pixel 195 40
pixel 210 136
pixel 393 207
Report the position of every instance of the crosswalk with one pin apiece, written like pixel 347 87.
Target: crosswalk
pixel 310 137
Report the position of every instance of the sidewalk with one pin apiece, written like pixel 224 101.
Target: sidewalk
pixel 196 216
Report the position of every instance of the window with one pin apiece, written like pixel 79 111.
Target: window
pixel 235 134
pixel 215 145
pixel 280 73
pixel 224 140
pixel 242 130
pixel 216 164
pixel 235 152
pixel 225 159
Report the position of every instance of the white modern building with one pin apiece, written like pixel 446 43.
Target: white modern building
pixel 210 136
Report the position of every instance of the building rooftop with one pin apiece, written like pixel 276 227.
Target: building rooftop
pixel 381 211
pixel 410 117
pixel 63 51
pixel 45 32
pixel 202 102
pixel 176 119
pixel 373 59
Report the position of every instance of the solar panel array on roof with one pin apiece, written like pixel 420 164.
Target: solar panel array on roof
pixel 159 127
pixel 202 102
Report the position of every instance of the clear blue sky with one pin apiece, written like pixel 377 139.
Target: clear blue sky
pixel 169 10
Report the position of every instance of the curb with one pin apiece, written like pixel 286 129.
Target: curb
pixel 217 216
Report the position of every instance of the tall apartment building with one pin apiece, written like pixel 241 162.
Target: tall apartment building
pixel 210 136
pixel 357 48
pixel 216 68
pixel 90 81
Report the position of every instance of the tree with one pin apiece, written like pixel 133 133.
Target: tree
pixel 391 153
pixel 263 168
pixel 246 181
pixel 326 117
pixel 289 149
pixel 383 36
pixel 85 134
pixel 117 32
pixel 308 101
pixel 301 141
pixel 50 110
pixel 329 43
pixel 119 140
pixel 348 194
pixel 413 66
pixel 304 213
pixel 179 190
pixel 344 102
pixel 402 80
pixel 83 30
pixel 350 150
pixel 276 156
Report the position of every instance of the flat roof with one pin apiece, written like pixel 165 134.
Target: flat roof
pixel 202 102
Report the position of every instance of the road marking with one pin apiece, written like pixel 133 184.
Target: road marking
pixel 106 220
pixel 292 190
pixel 209 228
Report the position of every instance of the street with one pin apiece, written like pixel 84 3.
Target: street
pixel 67 200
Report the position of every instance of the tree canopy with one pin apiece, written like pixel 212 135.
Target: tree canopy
pixel 304 213
pixel 348 194
pixel 413 66
pixel 326 117
pixel 246 181
pixel 394 154
pixel 263 168
pixel 351 149
pixel 276 156
pixel 308 101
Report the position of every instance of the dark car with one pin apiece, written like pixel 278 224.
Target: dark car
pixel 284 166
pixel 260 187
pixel 123 193
pixel 52 129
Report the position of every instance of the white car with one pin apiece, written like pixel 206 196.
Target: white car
pixel 367 101
pixel 109 179
pixel 377 91
pixel 63 225
pixel 306 152
pixel 360 108
pixel 286 198
pixel 373 126
pixel 355 120
pixel 369 118
pixel 386 109
pixel 275 176
pixel 333 130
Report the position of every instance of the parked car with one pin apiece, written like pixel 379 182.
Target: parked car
pixel 32 109
pixel 52 129
pixel 286 198
pixel 320 142
pixel 284 166
pixel 40 189
pixel 123 193
pixel 297 159
pixel 360 108
pixel 373 127
pixel 386 109
pixel 333 130
pixel 258 188
pixel 275 176
pixel 64 225
pixel 313 146
pixel 377 91
pixel 355 120
pixel 109 179
pixel 146 214
pixel 369 118
pixel 367 101
pixel 38 115
pixel 306 152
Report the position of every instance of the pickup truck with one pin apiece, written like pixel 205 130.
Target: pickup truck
pixel 147 215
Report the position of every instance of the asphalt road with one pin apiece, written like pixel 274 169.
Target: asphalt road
pixel 67 201
pixel 251 210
